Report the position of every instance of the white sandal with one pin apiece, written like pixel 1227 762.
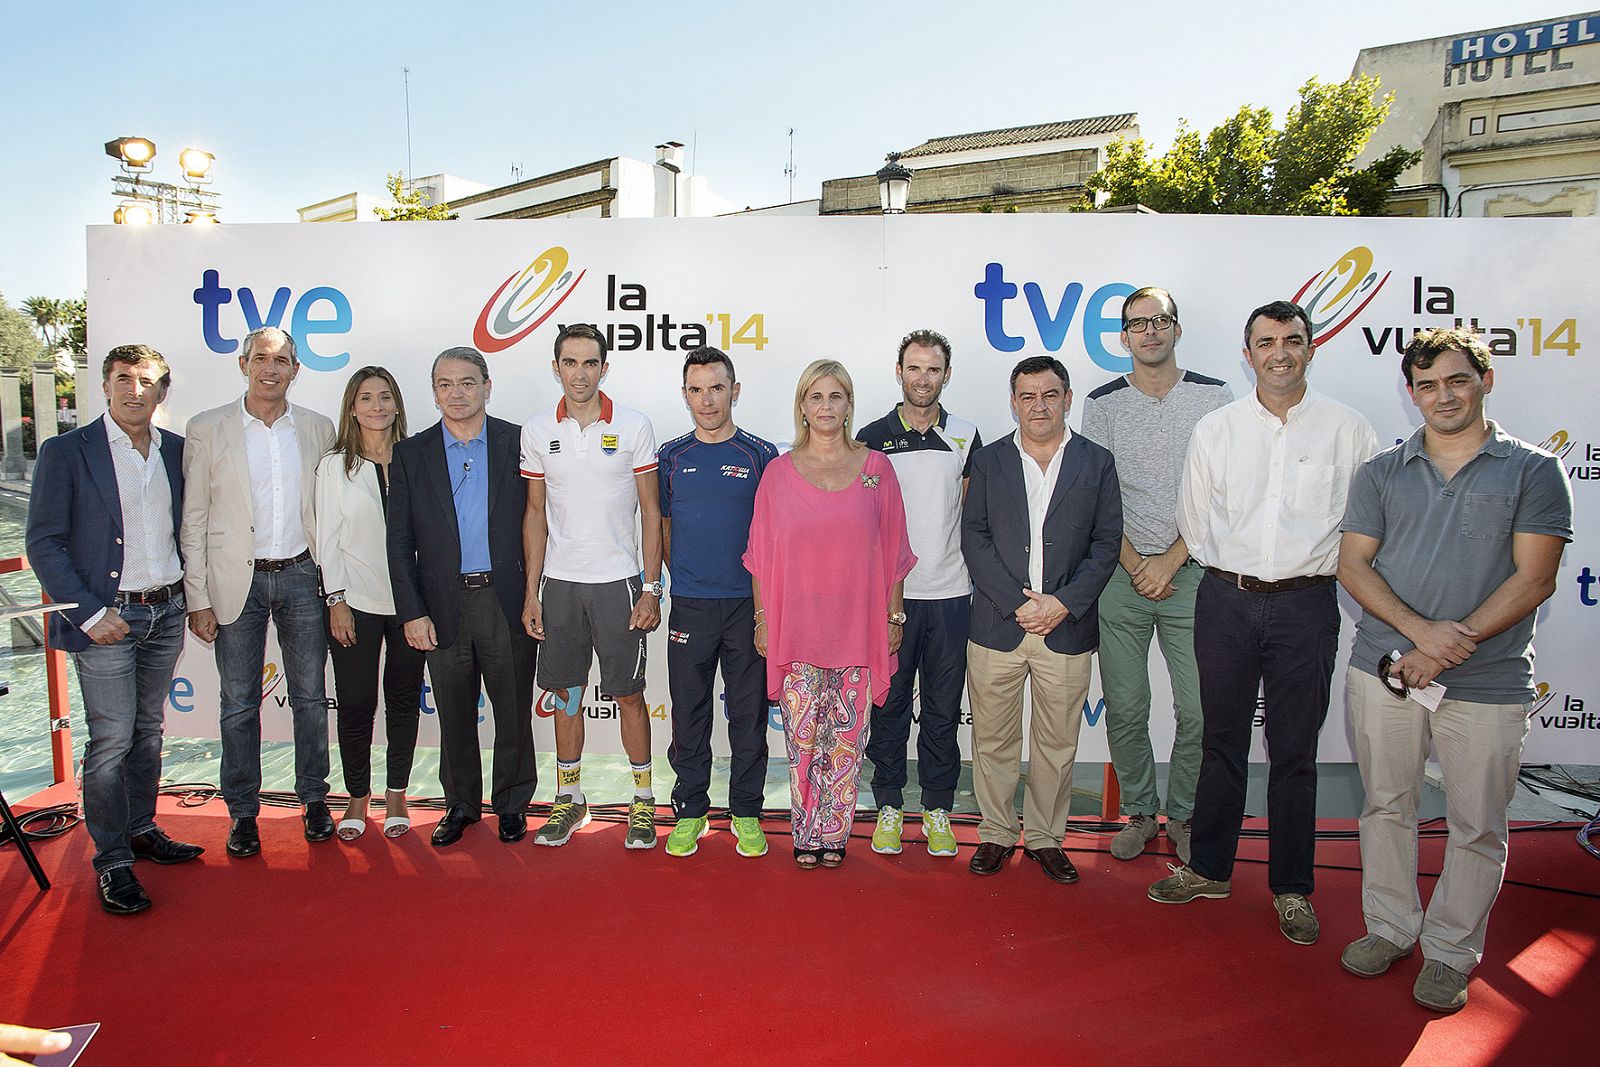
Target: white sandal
pixel 395 825
pixel 350 829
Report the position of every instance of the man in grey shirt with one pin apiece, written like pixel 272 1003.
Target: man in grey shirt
pixel 1450 542
pixel 1145 418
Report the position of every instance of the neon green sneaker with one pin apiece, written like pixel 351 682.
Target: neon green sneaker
pixel 886 835
pixel 749 840
pixel 936 827
pixel 685 837
pixel 641 823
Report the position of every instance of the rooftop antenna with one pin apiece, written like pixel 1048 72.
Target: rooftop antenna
pixel 516 171
pixel 406 72
pixel 789 171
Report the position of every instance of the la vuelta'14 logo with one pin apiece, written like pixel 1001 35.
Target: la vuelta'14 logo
pixel 1340 292
pixel 513 312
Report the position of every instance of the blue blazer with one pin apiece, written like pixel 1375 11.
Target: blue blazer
pixel 425 542
pixel 75 524
pixel 1082 540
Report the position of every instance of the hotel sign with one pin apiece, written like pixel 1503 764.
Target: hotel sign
pixel 1524 40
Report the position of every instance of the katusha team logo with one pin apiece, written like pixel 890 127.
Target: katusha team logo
pixel 1339 293
pixel 524 301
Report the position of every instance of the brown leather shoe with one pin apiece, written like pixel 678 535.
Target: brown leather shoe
pixel 989 858
pixel 1055 863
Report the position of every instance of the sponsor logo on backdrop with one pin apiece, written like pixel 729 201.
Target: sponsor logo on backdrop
pixel 1586 579
pixel 597 705
pixel 1340 292
pixel 1052 317
pixel 1560 711
pixel 1433 305
pixel 524 301
pixel 320 310
pixel 1580 459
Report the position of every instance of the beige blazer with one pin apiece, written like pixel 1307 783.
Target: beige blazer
pixel 218 535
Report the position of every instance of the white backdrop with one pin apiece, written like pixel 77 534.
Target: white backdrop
pixel 1001 287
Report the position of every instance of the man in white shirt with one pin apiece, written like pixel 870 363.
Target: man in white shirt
pixel 103 540
pixel 591 470
pixel 1263 491
pixel 248 525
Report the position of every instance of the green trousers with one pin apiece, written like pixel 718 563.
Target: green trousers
pixel 1126 623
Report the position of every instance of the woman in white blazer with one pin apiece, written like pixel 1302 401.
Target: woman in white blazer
pixel 352 500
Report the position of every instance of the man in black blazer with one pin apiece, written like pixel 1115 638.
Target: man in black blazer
pixel 455 559
pixel 1040 530
pixel 102 536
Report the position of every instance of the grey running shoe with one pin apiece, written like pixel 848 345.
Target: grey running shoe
pixel 1296 919
pixel 1132 838
pixel 641 823
pixel 1440 987
pixel 566 819
pixel 1178 833
pixel 1372 955
pixel 1184 885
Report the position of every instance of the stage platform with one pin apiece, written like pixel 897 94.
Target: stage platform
pixel 393 952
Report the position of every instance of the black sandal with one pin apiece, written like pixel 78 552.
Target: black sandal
pixel 833 857
pixel 806 859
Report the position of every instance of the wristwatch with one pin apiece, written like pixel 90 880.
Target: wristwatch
pixel 335 598
pixel 897 618
pixel 653 588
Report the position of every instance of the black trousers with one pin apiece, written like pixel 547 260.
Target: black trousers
pixel 701 634
pixel 355 679
pixel 1281 645
pixel 934 647
pixel 489 657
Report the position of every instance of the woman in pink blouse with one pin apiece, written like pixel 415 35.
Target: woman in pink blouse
pixel 829 555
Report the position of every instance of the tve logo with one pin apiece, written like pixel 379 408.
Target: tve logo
pixel 1052 322
pixel 306 321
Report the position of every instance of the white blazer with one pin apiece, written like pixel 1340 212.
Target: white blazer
pixel 352 543
pixel 218 535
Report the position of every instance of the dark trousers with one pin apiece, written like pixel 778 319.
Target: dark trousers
pixel 934 646
pixel 355 679
pixel 701 634
pixel 489 657
pixel 1281 645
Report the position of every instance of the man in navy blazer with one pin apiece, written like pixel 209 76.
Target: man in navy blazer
pixel 1041 529
pixel 456 502
pixel 102 536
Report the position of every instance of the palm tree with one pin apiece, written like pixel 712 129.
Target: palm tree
pixel 49 318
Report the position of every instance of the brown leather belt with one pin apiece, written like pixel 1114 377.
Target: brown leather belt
pixel 1251 584
pixel 149 596
pixel 280 564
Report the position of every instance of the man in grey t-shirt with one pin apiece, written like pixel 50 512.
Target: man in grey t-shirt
pixel 1450 543
pixel 1145 419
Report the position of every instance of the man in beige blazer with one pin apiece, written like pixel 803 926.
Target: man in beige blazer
pixel 248 527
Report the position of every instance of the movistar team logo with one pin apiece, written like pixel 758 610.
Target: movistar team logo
pixel 1338 293
pixel 524 301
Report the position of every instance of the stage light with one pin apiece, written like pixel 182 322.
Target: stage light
pixel 133 213
pixel 197 164
pixel 134 153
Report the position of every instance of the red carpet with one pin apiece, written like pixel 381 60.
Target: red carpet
pixel 396 953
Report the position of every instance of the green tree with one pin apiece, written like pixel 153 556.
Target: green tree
pixel 410 206
pixel 19 345
pixel 1248 166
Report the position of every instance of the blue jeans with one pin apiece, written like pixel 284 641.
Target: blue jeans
pixel 125 689
pixel 292 600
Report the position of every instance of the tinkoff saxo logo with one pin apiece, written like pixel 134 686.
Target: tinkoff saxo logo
pixel 1339 293
pixel 524 301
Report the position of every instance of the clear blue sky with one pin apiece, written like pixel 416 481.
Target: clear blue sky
pixel 301 102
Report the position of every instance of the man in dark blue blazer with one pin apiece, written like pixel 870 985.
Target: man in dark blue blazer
pixel 1041 529
pixel 456 502
pixel 102 536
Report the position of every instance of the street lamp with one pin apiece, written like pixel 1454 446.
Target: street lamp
pixel 894 185
pixel 142 202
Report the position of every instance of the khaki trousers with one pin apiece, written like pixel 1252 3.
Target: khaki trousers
pixel 1480 748
pixel 1059 685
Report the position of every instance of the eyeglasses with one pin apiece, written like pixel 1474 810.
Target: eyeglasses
pixel 1394 683
pixel 1158 322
